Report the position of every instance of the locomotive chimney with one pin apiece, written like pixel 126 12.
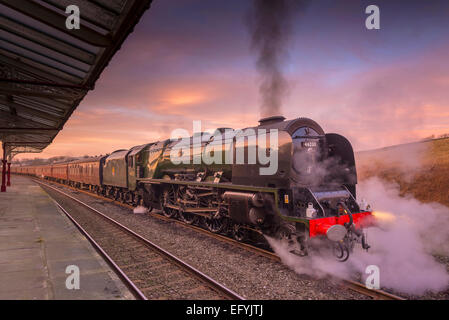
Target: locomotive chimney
pixel 271 120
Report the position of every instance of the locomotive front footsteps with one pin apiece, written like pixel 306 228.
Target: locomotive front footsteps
pixel 310 198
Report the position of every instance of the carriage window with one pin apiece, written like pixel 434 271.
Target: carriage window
pixel 305 132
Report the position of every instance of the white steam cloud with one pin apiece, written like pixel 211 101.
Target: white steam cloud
pixel 140 209
pixel 402 246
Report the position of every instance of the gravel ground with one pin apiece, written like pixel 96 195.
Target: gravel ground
pixel 248 274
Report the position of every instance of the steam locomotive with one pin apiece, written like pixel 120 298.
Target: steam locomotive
pixel 310 198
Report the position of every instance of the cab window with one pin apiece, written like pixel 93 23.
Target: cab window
pixel 304 132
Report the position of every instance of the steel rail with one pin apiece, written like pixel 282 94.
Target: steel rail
pixel 374 293
pixel 190 269
pixel 353 285
pixel 133 288
pixel 223 238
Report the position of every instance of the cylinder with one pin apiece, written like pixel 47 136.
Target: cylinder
pixel 245 207
pixel 254 199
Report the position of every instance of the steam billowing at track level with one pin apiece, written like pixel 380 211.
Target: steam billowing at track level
pixel 405 244
pixel 234 198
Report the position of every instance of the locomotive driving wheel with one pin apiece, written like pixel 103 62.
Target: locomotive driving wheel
pixel 239 232
pixel 191 201
pixel 187 217
pixel 127 197
pixel 215 223
pixel 169 198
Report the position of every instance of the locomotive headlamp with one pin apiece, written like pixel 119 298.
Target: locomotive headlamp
pixel 310 211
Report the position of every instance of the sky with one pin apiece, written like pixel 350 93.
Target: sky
pixel 192 60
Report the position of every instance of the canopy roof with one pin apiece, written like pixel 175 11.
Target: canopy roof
pixel 46 69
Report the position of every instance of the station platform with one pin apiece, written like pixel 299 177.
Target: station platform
pixel 38 242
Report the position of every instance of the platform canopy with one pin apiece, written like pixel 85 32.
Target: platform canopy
pixel 46 69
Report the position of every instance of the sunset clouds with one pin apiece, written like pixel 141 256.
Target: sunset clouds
pixel 191 60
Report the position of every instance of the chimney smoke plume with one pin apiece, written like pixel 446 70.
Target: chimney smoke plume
pixel 269 23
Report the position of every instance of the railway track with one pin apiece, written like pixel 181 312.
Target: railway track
pixel 376 294
pixel 149 271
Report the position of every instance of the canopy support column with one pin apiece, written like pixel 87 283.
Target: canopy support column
pixel 3 188
pixel 8 182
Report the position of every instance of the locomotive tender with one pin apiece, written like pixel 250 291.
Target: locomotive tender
pixel 311 196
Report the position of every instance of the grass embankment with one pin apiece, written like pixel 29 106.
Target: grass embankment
pixel 421 169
